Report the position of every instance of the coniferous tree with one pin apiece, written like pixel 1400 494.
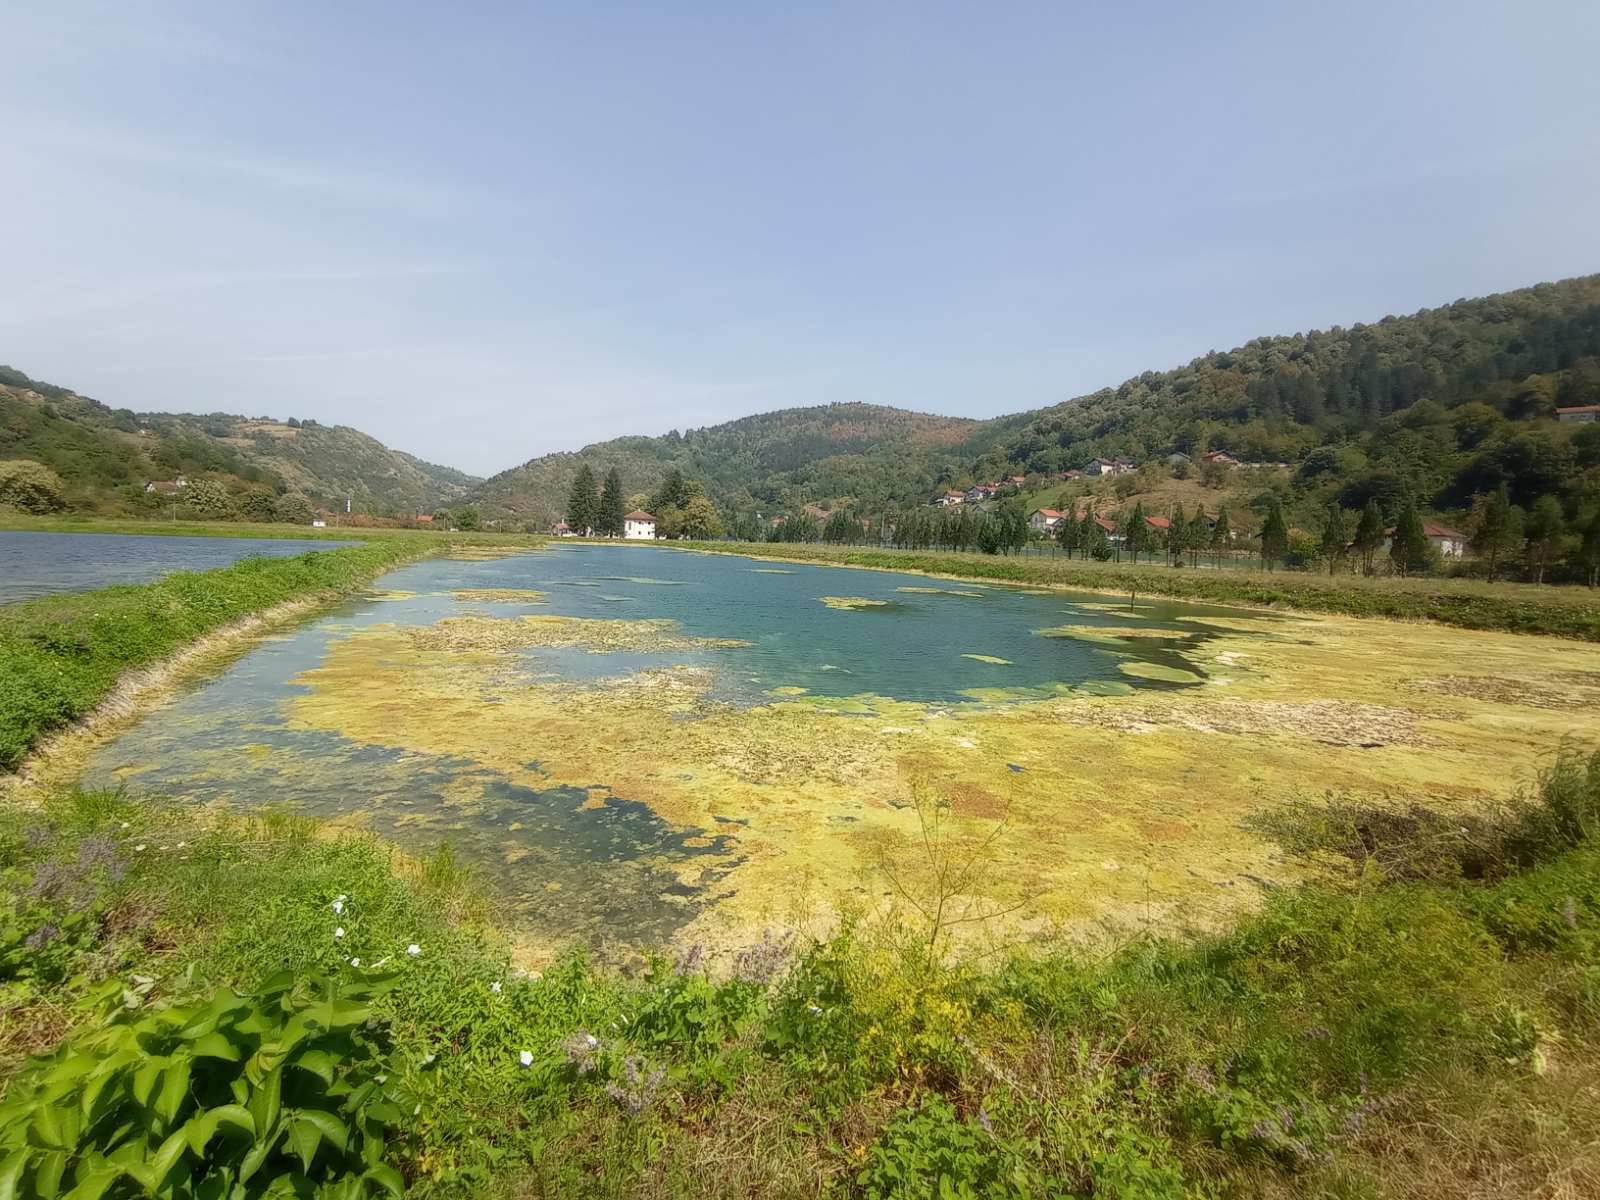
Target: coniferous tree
pixel 1335 538
pixel 1274 535
pixel 1408 548
pixel 583 503
pixel 1221 534
pixel 1369 535
pixel 1493 536
pixel 1136 531
pixel 1546 524
pixel 608 521
pixel 1589 549
pixel 1068 534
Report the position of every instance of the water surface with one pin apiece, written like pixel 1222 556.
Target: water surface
pixel 566 863
pixel 39 564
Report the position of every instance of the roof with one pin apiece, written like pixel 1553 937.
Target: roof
pixel 1158 522
pixel 639 515
pixel 1580 408
pixel 1434 529
pixel 1049 514
pixel 1106 523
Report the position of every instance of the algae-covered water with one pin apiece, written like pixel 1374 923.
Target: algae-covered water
pixel 605 730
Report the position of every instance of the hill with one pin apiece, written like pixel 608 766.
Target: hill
pixel 1439 407
pixel 104 456
pixel 874 455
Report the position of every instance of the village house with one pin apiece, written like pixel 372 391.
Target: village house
pixel 1016 480
pixel 639 526
pixel 949 499
pixel 562 529
pixel 1450 543
pixel 1581 412
pixel 981 491
pixel 1070 475
pixel 1221 457
pixel 424 518
pixel 1110 466
pixel 1045 520
pixel 1159 524
pixel 165 485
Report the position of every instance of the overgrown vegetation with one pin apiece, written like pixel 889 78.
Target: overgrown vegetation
pixel 61 655
pixel 1468 604
pixel 1322 1047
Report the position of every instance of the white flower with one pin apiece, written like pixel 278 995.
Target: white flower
pixel 339 932
pixel 526 1058
pixel 140 846
pixel 813 1010
pixel 427 1059
pixel 413 950
pixel 124 824
pixel 338 908
pixel 181 845
pixel 591 1039
pixel 494 988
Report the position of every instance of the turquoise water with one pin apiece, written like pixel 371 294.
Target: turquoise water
pixel 573 869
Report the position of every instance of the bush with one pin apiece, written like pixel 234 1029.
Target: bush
pixel 278 1093
pixel 31 487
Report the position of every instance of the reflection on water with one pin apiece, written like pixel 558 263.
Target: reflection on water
pixel 580 859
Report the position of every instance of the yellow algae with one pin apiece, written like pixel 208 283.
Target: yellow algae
pixel 1149 670
pixel 989 658
pixel 820 793
pixel 936 591
pixel 382 594
pixel 489 553
pixel 789 691
pixel 851 603
pixel 488 634
pixel 501 595
pixel 1101 632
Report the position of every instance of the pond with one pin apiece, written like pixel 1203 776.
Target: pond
pixel 39 564
pixel 626 738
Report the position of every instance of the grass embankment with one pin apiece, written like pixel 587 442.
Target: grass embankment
pixel 12 521
pixel 1568 612
pixel 60 656
pixel 1421 1034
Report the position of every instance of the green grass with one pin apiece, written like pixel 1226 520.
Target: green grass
pixel 1568 612
pixel 11 520
pixel 1330 1045
pixel 61 655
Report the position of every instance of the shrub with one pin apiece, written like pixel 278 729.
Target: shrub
pixel 278 1093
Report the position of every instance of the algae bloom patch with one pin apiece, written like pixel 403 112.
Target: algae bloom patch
pixel 851 603
pixel 478 634
pixel 500 595
pixel 989 658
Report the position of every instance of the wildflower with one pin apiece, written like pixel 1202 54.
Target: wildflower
pixel 338 908
pixel 140 846
pixel 494 988
pixel 582 1051
pixel 813 1010
pixel 983 1119
pixel 355 962
pixel 413 950
pixel 761 962
pixel 526 1058
pixel 339 932
pixel 181 845
pixel 642 1085
pixel 427 1059
pixel 124 825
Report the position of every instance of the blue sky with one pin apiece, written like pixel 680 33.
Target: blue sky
pixel 483 232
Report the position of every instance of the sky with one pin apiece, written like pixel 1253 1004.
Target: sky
pixel 485 232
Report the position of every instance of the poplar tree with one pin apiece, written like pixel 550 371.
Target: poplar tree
pixel 1408 549
pixel 612 508
pixel 1274 536
pixel 1369 535
pixel 1335 538
pixel 583 503
pixel 1135 533
pixel 1589 549
pixel 1546 524
pixel 1494 535
pixel 1221 534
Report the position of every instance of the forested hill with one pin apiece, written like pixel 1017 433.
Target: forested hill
pixel 1438 406
pixel 872 454
pixel 104 456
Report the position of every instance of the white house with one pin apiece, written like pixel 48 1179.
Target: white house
pixel 1045 520
pixel 1580 412
pixel 639 526
pixel 1451 543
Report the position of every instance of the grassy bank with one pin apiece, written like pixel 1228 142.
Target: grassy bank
pixel 1426 1033
pixel 61 655
pixel 1568 612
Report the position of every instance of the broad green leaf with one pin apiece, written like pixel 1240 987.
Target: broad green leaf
pixel 167 1157
pixel 264 1104
pixel 304 1138
pixel 174 1089
pixel 93 1185
pixel 387 1178
pixel 253 1160
pixel 328 1124
pixel 319 1062
pixel 10 1171
pixel 144 1080
pixel 236 1115
pixel 47 1174
pixel 47 1127
pixel 215 1045
pixel 344 1013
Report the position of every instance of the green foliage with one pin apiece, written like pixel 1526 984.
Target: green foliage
pixel 31 487
pixel 583 502
pixel 612 509
pixel 930 1151
pixel 278 1093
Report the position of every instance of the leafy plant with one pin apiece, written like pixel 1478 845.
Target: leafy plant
pixel 280 1093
